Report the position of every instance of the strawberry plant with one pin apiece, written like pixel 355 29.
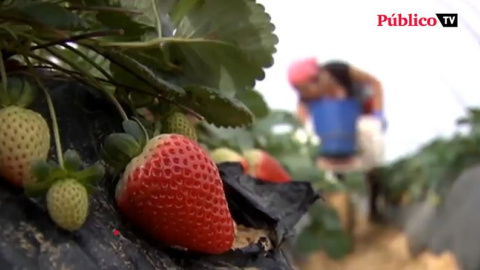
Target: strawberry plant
pixel 429 173
pixel 169 67
pixel 181 75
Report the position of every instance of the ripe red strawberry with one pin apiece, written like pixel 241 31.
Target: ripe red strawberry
pixel 172 190
pixel 265 167
pixel 224 154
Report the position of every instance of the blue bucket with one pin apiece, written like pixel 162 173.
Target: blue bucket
pixel 335 123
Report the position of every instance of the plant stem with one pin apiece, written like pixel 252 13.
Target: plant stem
pixel 75 66
pixel 157 16
pixel 51 109
pixel 113 82
pixel 34 24
pixel 143 129
pixel 3 73
pixel 54 66
pixel 79 37
pixel 157 41
pixel 90 61
pixel 103 8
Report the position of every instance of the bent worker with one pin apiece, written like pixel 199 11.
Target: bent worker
pixel 339 80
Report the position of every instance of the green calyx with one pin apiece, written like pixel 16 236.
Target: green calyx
pixel 48 173
pixel 120 148
pixel 20 92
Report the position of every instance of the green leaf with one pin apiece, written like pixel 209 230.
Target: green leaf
pixel 57 173
pixel 134 129
pixel 37 189
pixel 214 49
pixel 90 175
pixel 53 164
pixel 276 117
pixel 20 91
pixel 238 138
pixel 157 128
pixel 48 178
pixel 113 161
pixel 72 161
pixel 324 233
pixel 181 8
pixel 254 102
pixel 76 55
pixel 47 14
pixel 119 148
pixel 40 170
pixel 132 73
pixel 308 241
pixel 90 188
pixel 217 108
pixel 140 25
pixel 139 100
pixel 337 244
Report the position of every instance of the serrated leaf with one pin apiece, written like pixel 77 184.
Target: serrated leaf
pixel 231 70
pixel 238 137
pixel 254 101
pixel 132 73
pixel 40 170
pixel 215 50
pixel 217 108
pixel 275 118
pixel 72 161
pixel 141 25
pixel 134 129
pixel 49 14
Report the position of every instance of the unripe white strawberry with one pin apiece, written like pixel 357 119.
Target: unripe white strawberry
pixel 179 123
pixel 67 203
pixel 24 137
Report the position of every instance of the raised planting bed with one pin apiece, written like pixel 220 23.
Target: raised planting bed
pixel 265 213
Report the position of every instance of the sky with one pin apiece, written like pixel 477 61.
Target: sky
pixel 429 74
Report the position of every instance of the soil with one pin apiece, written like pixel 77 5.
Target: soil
pixel 379 247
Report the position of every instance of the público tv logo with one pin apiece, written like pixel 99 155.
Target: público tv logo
pixel 412 19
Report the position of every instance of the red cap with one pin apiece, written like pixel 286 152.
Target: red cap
pixel 301 71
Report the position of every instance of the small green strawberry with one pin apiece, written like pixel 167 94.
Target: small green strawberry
pixel 66 189
pixel 67 204
pixel 178 123
pixel 24 134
